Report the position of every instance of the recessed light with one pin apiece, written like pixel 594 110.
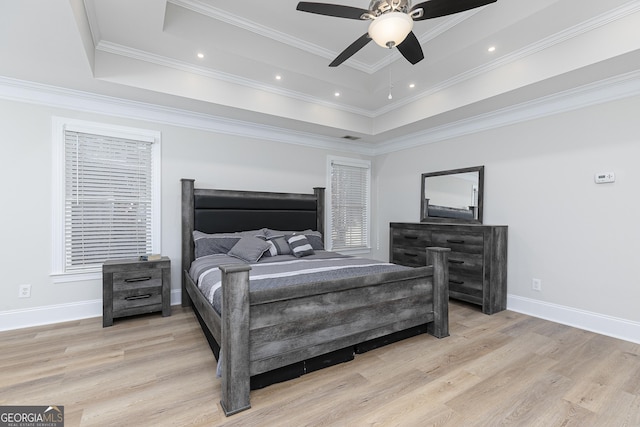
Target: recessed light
pixel 200 55
pixel 278 77
pixel 336 94
pixel 412 85
pixel 492 49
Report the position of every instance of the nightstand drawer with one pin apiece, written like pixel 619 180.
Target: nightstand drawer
pixel 137 278
pixel 136 298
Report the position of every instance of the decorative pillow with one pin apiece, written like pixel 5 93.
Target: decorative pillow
pixel 314 237
pixel 299 245
pixel 272 251
pixel 219 243
pixel 249 248
pixel 281 245
pixel 209 244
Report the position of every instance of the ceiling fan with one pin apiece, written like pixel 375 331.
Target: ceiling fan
pixel 391 22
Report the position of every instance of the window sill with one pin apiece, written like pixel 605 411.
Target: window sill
pixel 358 251
pixel 76 277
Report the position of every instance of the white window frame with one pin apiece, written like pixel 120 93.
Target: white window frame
pixel 59 126
pixel 329 244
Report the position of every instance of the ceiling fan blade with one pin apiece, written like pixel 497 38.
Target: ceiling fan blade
pixel 331 10
pixel 437 8
pixel 352 49
pixel 410 49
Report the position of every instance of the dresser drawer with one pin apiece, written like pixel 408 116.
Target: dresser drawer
pixel 465 263
pixel 409 256
pixel 470 284
pixel 412 238
pixel 468 242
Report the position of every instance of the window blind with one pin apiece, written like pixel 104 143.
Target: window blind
pixel 108 199
pixel 349 206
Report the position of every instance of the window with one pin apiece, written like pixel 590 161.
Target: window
pixel 106 195
pixel 349 207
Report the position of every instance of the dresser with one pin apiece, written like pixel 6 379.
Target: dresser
pixel 477 261
pixel 131 287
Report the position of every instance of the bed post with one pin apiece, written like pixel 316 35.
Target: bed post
pixel 439 258
pixel 187 234
pixel 235 339
pixel 319 193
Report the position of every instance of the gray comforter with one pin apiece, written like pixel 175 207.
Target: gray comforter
pixel 283 271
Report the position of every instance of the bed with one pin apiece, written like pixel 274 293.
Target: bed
pixel 274 333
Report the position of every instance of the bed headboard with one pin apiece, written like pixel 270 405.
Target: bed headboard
pixel 225 211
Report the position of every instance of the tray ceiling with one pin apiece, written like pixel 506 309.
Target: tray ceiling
pixel 147 51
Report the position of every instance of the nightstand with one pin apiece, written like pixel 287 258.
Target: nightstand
pixel 131 287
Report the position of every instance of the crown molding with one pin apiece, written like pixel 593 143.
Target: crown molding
pixel 57 97
pixel 611 89
pixel 607 90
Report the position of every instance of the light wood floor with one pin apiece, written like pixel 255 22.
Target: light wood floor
pixel 505 369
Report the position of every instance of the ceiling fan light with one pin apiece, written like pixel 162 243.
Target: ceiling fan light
pixel 390 29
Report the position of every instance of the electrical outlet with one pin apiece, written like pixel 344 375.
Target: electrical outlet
pixel 536 284
pixel 24 291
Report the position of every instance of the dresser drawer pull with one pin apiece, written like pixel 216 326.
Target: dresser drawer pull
pixel 456 282
pixel 133 298
pixel 137 279
pixel 456 261
pixel 411 254
pixel 408 236
pixel 455 241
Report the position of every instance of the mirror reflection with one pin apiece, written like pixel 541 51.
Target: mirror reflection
pixel 452 195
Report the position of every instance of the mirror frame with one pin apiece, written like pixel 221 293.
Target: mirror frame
pixel 424 217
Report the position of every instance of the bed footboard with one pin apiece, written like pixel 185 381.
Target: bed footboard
pixel 253 340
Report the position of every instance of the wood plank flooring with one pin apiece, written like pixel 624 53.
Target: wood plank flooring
pixel 506 369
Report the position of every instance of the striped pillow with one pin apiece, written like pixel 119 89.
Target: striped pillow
pixel 300 245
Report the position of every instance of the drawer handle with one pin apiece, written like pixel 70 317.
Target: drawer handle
pixel 456 282
pixel 411 254
pixel 456 261
pixel 137 279
pixel 133 298
pixel 407 236
pixel 455 241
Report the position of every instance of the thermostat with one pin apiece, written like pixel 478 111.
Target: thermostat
pixel 604 177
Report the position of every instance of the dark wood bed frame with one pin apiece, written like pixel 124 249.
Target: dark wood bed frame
pixel 260 332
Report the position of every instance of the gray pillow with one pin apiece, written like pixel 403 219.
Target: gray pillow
pixel 314 237
pixel 281 245
pixel 299 245
pixel 218 243
pixel 249 249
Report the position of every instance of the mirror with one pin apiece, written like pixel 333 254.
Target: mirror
pixel 452 196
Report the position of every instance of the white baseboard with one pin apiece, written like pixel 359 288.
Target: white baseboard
pixel 595 322
pixel 606 325
pixel 46 315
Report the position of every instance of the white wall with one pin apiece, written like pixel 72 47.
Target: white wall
pixel 213 160
pixel 580 238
